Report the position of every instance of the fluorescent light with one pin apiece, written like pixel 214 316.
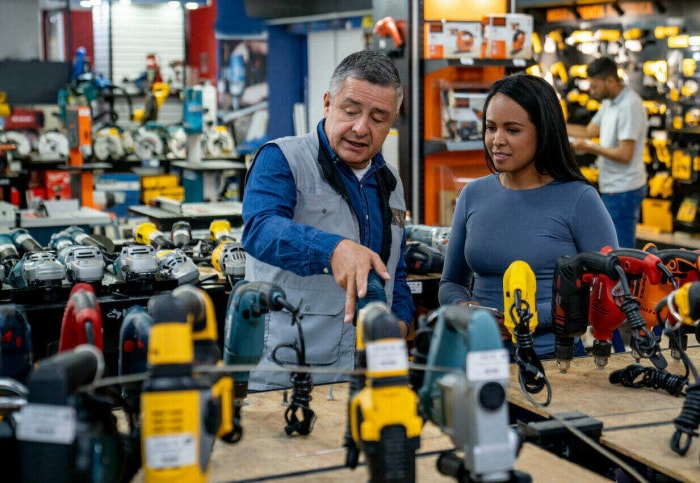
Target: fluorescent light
pixel 174 3
pixel 191 5
pixel 125 2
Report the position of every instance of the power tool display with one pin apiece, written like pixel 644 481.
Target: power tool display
pixel 15 343
pixel 469 402
pixel 65 434
pixel 383 415
pixel 247 306
pixel 180 415
pixel 82 319
pixel 520 318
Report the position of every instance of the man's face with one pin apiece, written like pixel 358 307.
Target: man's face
pixel 358 120
pixel 599 87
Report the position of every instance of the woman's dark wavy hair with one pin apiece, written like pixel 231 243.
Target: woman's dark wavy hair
pixel 554 155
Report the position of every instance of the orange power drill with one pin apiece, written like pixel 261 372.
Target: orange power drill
pixel 684 267
pixel 571 289
pixel 612 301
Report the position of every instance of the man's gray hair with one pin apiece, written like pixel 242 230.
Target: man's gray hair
pixel 369 66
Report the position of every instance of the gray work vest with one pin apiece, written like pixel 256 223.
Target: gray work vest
pixel 329 342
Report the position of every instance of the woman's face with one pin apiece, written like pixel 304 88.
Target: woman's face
pixel 510 137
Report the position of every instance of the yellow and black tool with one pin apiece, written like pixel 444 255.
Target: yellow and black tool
pixel 520 318
pixel 384 418
pixel 180 414
pixel 148 234
pixel 220 230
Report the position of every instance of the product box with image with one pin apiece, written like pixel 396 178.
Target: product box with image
pixel 462 112
pixel 452 39
pixel 507 36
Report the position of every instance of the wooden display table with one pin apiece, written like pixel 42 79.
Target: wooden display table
pixel 637 422
pixel 266 452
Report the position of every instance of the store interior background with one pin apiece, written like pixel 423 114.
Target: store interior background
pixel 303 42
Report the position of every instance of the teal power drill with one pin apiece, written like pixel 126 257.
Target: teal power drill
pixel 243 334
pixel 469 402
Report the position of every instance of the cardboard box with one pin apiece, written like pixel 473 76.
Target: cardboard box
pixel 507 36
pixel 452 39
pixel 57 184
pixel 433 40
pixel 463 114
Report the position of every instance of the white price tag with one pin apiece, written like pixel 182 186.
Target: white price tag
pixel 519 63
pixel 47 423
pixel 488 365
pixel 387 355
pixel 416 287
pixel 171 451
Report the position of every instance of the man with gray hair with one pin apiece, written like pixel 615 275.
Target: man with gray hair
pixel 321 212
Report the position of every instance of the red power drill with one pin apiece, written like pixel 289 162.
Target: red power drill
pixel 82 319
pixel 571 290
pixel 684 266
pixel 614 300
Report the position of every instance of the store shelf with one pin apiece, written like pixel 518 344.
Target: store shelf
pixel 433 65
pixel 439 146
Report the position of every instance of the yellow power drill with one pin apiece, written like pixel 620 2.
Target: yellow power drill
pixel 148 234
pixel 384 418
pixel 520 318
pixel 180 414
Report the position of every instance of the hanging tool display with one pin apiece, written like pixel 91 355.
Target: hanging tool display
pixel 383 415
pixel 66 434
pixel 469 402
pixel 82 319
pixel 15 343
pixel 171 392
pixel 133 352
pixel 571 293
pixel 147 234
pixel 247 306
pixel 520 318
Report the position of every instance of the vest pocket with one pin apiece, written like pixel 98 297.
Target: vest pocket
pixel 322 326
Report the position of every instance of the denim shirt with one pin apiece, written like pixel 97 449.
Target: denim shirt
pixel 271 235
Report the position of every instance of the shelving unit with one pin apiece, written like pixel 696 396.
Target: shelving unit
pixel 433 169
